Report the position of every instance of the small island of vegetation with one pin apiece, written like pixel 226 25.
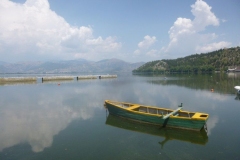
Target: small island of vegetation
pixel 220 60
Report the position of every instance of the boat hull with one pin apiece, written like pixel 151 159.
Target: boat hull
pixel 172 122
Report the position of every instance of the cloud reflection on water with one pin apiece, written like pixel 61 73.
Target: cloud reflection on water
pixel 36 119
pixel 34 114
pixel 211 123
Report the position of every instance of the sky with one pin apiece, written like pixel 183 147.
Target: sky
pixel 130 30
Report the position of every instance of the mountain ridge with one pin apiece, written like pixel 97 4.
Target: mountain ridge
pixel 68 66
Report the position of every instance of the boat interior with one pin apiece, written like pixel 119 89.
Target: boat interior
pixel 153 110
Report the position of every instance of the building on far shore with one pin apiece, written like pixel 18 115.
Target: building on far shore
pixel 233 69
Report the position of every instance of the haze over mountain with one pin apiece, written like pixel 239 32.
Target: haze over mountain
pixel 81 65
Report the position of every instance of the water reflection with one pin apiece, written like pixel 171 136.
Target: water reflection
pixel 46 114
pixel 220 83
pixel 237 97
pixel 36 115
pixel 211 123
pixel 233 75
pixel 200 137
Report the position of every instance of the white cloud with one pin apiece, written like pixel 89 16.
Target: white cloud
pixel 137 52
pixel 181 26
pixel 224 20
pixel 144 47
pixel 152 53
pixel 34 31
pixel 213 46
pixel 186 36
pixel 203 15
pixel 147 42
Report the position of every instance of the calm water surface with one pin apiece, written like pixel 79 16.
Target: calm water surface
pixel 67 120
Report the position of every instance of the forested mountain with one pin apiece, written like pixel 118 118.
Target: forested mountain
pixel 218 60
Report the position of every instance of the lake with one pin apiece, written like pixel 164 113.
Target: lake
pixel 67 119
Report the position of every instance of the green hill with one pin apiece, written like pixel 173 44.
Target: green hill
pixel 218 60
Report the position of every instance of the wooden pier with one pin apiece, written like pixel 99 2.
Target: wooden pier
pixel 87 77
pixel 53 78
pixel 107 76
pixel 58 78
pixel 17 79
